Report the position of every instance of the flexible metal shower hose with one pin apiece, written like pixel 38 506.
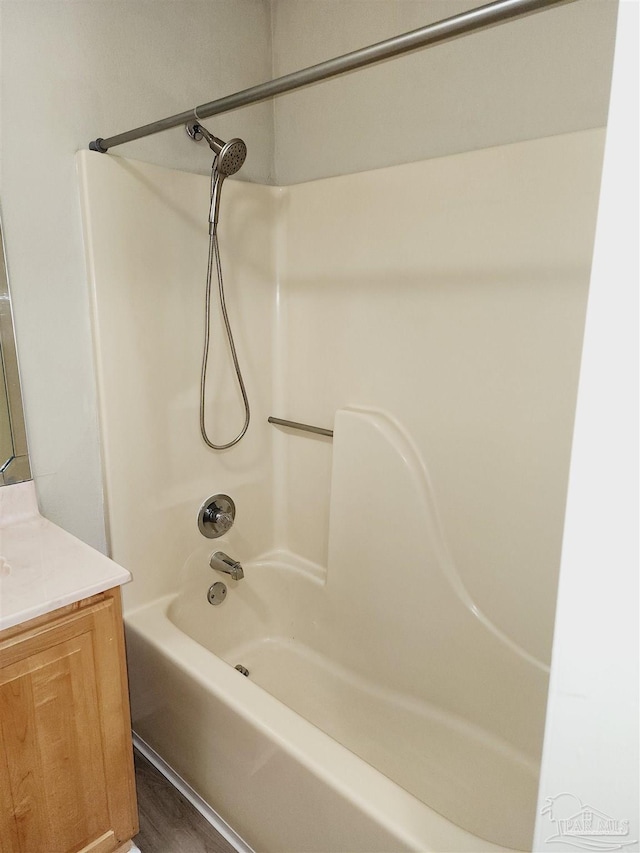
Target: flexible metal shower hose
pixel 214 250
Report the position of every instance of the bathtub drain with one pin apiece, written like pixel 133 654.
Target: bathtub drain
pixel 242 669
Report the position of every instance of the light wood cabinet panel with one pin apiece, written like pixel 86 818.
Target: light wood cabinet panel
pixel 66 767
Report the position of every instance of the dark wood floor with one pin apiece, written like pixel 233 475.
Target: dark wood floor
pixel 168 822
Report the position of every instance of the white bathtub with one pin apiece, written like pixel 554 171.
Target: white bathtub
pixel 307 754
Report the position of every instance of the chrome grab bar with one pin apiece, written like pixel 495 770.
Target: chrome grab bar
pixel 301 427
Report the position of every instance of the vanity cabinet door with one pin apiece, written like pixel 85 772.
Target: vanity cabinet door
pixel 66 769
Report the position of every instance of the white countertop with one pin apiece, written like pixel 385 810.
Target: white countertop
pixel 42 567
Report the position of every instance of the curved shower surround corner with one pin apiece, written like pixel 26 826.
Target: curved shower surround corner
pixel 396 610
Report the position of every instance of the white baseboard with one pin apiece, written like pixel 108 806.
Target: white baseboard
pixel 209 814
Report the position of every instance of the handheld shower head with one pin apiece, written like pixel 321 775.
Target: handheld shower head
pixel 230 155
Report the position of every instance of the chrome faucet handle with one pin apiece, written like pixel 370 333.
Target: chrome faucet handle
pixel 222 520
pixel 216 516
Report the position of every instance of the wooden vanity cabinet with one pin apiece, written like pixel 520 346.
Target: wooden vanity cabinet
pixel 67 783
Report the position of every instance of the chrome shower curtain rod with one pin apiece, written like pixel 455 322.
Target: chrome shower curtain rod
pixel 449 28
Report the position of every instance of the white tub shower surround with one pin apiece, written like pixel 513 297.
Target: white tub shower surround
pixel 397 607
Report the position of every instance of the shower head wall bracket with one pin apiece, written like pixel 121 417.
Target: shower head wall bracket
pixel 229 156
pixel 193 130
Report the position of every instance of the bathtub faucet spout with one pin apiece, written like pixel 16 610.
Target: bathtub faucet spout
pixel 221 562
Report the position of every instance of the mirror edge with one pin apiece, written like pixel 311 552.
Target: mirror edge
pixel 17 469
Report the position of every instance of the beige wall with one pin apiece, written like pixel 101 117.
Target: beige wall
pixel 596 628
pixel 546 74
pixel 72 71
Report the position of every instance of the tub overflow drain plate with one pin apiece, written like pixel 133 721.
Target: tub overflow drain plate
pixel 217 593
